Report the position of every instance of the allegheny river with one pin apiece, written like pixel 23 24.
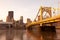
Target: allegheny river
pixel 23 35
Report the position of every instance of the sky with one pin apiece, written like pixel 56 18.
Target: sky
pixel 25 8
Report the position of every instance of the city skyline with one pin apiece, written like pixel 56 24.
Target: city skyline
pixel 25 8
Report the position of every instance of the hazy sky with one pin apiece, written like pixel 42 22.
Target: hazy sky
pixel 25 8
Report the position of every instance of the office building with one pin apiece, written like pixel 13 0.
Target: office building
pixel 10 16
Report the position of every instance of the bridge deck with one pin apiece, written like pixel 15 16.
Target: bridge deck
pixel 48 20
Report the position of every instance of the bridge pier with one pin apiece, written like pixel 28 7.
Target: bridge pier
pixel 48 32
pixel 45 32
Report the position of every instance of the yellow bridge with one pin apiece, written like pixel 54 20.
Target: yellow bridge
pixel 45 23
pixel 55 20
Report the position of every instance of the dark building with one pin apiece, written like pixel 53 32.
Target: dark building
pixel 19 24
pixel 21 20
pixel 10 16
pixel 28 20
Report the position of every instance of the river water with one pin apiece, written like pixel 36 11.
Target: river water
pixel 24 35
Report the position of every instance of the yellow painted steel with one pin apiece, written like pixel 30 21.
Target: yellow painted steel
pixel 48 20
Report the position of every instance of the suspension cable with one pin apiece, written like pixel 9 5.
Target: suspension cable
pixel 37 14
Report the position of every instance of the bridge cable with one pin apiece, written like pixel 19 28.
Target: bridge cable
pixel 37 14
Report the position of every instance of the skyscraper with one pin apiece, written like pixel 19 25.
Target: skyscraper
pixel 10 16
pixel 21 20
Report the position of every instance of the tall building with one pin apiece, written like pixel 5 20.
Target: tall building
pixel 21 19
pixel 10 16
pixel 19 24
pixel 28 20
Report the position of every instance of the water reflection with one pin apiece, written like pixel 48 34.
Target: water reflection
pixel 48 33
pixel 11 34
pixel 29 35
pixel 38 33
pixel 2 34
